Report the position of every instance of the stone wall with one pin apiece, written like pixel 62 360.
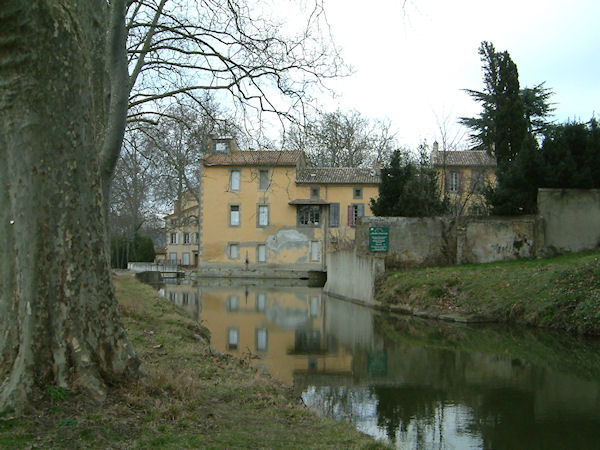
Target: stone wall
pixel 414 241
pixel 481 240
pixel 570 218
pixel 439 241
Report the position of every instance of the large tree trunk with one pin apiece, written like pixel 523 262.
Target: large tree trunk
pixel 59 323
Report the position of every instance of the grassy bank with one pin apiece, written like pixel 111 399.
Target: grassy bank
pixel 191 397
pixel 561 292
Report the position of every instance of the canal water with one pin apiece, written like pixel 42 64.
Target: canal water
pixel 411 383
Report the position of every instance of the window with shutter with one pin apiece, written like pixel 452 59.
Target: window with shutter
pixel 334 215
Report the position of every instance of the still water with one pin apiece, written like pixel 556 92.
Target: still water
pixel 411 383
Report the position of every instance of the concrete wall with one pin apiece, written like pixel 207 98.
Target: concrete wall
pixel 571 218
pixel 352 276
pixel 414 241
pixel 495 239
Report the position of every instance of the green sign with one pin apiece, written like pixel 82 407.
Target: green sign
pixel 379 239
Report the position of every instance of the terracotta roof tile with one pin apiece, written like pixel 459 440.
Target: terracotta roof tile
pixel 255 158
pixel 337 175
pixel 464 158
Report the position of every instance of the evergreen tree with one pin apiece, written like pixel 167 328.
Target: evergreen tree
pixel 501 127
pixel 408 188
pixel 571 156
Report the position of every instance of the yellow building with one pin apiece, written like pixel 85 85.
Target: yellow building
pixel 268 209
pixel 462 177
pixel 284 329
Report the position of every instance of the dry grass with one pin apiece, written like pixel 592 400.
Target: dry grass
pixel 191 397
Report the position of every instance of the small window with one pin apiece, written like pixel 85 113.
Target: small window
pixel 263 215
pixel 309 215
pixel 263 179
pixel 234 215
pixel 315 192
pixel 186 238
pixel 185 298
pixel 261 339
pixel 234 182
pixel 186 259
pixel 357 193
pixel 261 253
pixel 476 210
pixel 173 238
pixel 334 214
pixel 477 181
pixel 453 181
pixel 234 250
pixel 233 338
pixel 196 238
pixel 173 258
pixel 173 296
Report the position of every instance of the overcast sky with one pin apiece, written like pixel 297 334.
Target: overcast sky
pixel 411 62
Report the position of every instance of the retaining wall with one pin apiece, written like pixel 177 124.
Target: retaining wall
pixel 352 276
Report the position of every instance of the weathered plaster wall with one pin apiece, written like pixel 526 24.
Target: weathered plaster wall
pixel 571 218
pixel 352 276
pixel 435 241
pixel 414 241
pixel 481 240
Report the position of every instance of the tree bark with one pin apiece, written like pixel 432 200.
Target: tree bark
pixel 59 320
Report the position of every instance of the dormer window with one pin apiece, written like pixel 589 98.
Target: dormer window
pixel 221 146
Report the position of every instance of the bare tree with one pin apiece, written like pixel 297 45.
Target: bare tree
pixel 182 49
pixel 65 92
pixel 341 139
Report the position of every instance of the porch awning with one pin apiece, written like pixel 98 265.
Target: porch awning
pixel 308 201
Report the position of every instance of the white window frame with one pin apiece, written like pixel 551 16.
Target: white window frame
pixel 173 238
pixel 186 238
pixel 186 259
pixel 173 257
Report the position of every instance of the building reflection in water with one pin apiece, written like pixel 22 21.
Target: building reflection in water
pixel 424 385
